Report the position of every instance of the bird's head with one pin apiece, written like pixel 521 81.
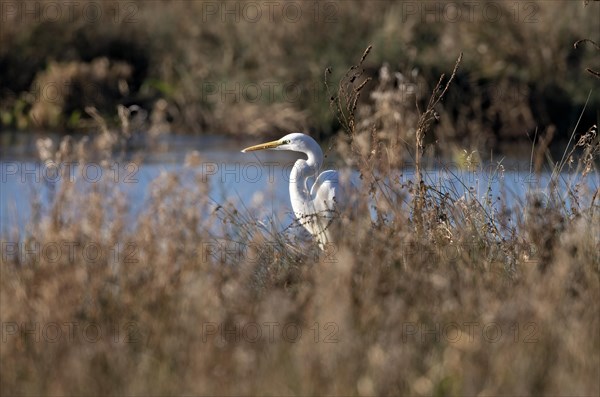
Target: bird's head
pixel 296 142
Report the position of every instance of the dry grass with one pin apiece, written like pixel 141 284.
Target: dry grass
pixel 468 297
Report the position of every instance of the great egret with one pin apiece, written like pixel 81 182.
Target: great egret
pixel 314 207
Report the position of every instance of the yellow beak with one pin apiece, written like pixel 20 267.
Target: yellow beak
pixel 262 146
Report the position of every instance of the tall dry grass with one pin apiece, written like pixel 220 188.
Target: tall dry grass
pixel 436 294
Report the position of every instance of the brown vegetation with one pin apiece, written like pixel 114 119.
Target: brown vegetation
pixel 469 297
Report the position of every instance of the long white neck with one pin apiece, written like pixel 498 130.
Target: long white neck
pixel 299 189
pixel 301 172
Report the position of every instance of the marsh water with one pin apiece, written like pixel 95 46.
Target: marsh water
pixel 255 182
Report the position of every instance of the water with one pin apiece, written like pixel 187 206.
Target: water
pixel 257 181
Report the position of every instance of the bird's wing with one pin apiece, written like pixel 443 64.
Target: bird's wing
pixel 334 194
pixel 325 192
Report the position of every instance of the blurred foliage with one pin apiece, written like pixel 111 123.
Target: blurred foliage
pixel 476 295
pixel 222 66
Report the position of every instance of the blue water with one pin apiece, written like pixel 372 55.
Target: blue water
pixel 255 182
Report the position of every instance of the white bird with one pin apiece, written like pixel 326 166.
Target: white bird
pixel 315 206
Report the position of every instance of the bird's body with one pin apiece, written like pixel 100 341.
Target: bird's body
pixel 315 206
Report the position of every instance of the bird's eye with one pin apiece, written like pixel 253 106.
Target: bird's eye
pixel 286 141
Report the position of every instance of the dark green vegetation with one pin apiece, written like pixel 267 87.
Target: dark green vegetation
pixel 248 68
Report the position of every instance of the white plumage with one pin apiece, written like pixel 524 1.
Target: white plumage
pixel 314 207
